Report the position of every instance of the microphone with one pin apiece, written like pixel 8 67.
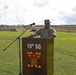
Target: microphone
pixel 32 24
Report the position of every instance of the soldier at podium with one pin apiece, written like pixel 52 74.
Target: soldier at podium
pixel 38 53
pixel 46 31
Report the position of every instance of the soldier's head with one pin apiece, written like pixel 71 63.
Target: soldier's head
pixel 47 23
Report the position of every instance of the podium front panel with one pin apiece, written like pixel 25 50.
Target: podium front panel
pixel 35 56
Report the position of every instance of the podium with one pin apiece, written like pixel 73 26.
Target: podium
pixel 37 56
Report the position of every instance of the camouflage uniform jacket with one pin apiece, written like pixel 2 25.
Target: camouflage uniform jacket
pixel 44 33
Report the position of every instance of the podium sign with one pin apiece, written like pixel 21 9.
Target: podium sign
pixel 37 56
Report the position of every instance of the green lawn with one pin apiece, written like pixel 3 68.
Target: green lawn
pixel 64 53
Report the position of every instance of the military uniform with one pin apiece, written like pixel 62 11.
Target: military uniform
pixel 44 33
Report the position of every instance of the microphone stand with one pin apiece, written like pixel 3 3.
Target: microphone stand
pixel 18 38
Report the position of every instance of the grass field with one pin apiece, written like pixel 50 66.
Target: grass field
pixel 64 53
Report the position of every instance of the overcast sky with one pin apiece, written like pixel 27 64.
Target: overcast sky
pixel 29 11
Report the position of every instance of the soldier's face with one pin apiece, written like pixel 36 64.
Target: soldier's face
pixel 47 24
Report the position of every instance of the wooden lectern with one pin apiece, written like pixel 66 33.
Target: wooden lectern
pixel 38 56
